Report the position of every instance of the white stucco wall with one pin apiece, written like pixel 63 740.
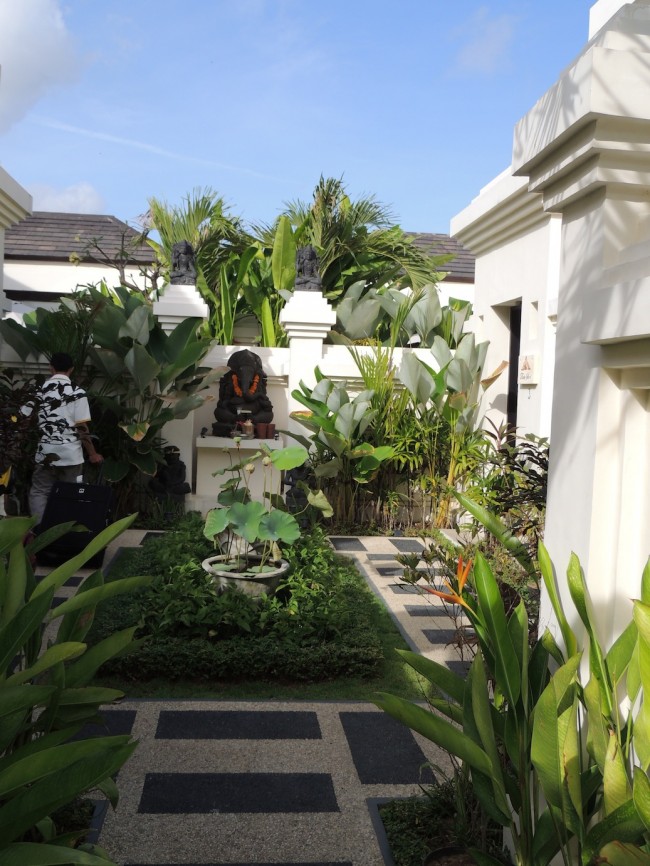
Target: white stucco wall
pixel 56 278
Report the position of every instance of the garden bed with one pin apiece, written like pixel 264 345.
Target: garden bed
pixel 323 623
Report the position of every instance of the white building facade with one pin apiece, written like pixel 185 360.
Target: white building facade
pixel 565 235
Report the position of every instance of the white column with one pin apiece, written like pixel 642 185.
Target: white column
pixel 307 318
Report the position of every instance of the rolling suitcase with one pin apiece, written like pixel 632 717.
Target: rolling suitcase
pixel 91 505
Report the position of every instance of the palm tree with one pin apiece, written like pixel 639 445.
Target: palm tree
pixel 356 240
pixel 218 240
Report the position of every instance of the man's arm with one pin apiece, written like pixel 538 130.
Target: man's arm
pixel 88 444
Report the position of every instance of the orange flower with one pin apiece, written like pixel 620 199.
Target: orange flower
pixel 453 596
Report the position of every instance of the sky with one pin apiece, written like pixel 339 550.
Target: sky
pixel 104 105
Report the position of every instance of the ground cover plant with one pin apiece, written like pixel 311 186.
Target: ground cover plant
pixel 322 624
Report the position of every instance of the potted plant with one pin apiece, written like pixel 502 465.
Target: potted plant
pixel 248 533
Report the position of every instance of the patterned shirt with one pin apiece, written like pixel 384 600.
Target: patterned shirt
pixel 62 407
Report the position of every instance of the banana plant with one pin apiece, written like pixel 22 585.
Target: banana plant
pixel 46 699
pixel 338 423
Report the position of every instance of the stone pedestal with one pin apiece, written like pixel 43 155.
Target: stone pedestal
pixel 307 318
pixel 177 303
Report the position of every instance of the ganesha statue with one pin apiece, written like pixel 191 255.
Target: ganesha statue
pixel 242 395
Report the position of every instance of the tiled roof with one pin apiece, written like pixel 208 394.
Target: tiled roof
pixel 460 268
pixel 46 236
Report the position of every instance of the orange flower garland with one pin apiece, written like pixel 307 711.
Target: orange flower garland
pixel 237 386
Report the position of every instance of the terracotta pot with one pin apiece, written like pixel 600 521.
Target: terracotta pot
pixel 254 585
pixel 261 431
pixel 270 431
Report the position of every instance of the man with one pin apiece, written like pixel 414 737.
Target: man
pixel 63 416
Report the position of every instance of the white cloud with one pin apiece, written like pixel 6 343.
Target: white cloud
pixel 80 197
pixel 37 53
pixel 486 43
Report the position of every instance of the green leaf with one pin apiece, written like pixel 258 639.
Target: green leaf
pixel 507 673
pixel 283 258
pixel 59 575
pixel 137 326
pixel 279 526
pixel 548 576
pixel 437 730
pixel 290 457
pixel 216 522
pixel 641 796
pixel 93 597
pixel 142 367
pixel 36 854
pixel 22 627
pixel 623 854
pixel 244 519
pixel 52 656
pixel 440 675
pixel 83 670
pixel 317 499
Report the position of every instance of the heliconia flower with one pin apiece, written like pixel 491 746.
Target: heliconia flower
pixel 462 573
pixel 453 596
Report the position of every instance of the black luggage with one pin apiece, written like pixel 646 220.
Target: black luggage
pixel 90 505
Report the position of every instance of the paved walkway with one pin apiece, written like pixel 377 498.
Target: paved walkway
pixel 243 782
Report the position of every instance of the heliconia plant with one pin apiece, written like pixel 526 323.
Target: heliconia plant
pixel 558 757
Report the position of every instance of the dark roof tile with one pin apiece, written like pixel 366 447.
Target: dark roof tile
pixel 53 236
pixel 460 268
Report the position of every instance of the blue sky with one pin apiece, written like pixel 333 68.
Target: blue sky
pixel 105 104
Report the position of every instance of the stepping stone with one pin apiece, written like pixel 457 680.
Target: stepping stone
pixel 237 725
pixel 404 588
pixel 458 666
pixel 350 544
pixel 426 610
pixel 379 556
pixel 74 581
pixel 407 545
pixel 205 793
pixel 442 636
pixel 114 723
pixel 383 750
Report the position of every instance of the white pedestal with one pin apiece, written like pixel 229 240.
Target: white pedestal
pixel 218 452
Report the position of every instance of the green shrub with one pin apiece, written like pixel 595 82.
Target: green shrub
pixel 318 625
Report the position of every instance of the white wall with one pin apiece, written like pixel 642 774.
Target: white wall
pixel 56 278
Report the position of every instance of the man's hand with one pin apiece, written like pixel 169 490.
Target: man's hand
pixel 95 458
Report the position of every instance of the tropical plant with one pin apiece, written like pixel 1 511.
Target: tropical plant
pixel 454 392
pixel 138 377
pixel 45 699
pixel 357 240
pixel 581 741
pixel 342 455
pixel 241 525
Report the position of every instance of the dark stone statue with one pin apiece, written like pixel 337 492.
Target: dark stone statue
pixel 307 275
pixel 169 481
pixel 183 271
pixel 242 394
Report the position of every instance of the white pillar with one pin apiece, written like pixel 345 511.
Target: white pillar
pixel 307 318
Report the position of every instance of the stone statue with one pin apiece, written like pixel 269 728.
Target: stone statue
pixel 242 394
pixel 183 271
pixel 307 276
pixel 169 481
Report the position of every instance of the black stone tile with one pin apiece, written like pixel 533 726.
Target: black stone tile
pixel 202 793
pixel 237 725
pixel 74 581
pixel 458 666
pixel 115 723
pixel 426 610
pixel 441 636
pixel 383 750
pixel 407 545
pixel 342 543
pixel 404 588
pixel 149 535
pixel 389 570
pixel 275 863
pixel 58 599
pixel 376 557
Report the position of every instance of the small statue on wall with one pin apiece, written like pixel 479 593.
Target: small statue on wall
pixel 169 481
pixel 307 275
pixel 183 272
pixel 242 394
